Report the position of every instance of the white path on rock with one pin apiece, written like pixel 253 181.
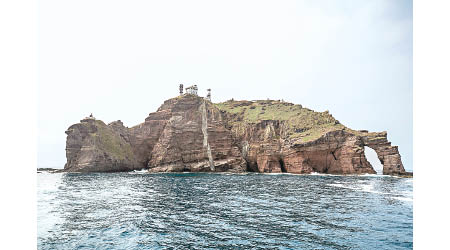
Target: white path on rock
pixel 205 135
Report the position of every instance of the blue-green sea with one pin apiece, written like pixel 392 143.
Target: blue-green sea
pixel 137 210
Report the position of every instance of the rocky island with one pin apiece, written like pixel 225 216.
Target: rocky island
pixel 189 133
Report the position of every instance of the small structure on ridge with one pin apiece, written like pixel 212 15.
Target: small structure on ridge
pixel 181 89
pixel 88 118
pixel 192 90
pixel 208 96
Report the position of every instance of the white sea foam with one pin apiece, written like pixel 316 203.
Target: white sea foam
pixel 322 174
pixel 367 188
pixel 358 186
pixel 142 171
pixel 403 199
pixel 372 175
pixel 280 174
pixel 363 186
pixel 337 185
pixel 235 173
pixel 353 175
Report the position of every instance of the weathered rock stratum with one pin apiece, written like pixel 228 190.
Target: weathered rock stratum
pixel 191 134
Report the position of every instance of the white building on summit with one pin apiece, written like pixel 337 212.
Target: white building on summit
pixel 192 90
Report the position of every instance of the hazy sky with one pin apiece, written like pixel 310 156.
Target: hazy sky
pixel 122 59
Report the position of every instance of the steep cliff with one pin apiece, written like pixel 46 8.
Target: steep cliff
pixel 189 133
pixel 282 137
pixel 93 146
pixel 186 134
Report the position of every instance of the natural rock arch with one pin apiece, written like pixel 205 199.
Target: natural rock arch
pixel 372 158
pixel 387 154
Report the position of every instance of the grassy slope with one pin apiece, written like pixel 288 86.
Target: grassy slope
pixel 110 142
pixel 300 123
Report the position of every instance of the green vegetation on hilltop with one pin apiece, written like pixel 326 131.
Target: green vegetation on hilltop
pixel 298 122
pixel 111 142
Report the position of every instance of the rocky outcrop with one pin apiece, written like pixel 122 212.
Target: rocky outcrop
pixel 336 152
pixel 387 154
pixel 301 141
pixel 191 134
pixel 193 139
pixel 185 134
pixel 93 146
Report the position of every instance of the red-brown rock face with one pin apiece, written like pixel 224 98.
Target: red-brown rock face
pixel 388 155
pixel 188 133
pixel 185 134
pixel 93 146
pixel 193 139
pixel 337 152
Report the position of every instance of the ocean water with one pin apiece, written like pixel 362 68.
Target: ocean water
pixel 138 210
